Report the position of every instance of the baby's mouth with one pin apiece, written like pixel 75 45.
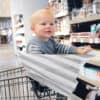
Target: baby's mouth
pixel 48 32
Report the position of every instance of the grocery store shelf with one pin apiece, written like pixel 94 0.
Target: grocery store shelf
pixel 92 82
pixel 61 14
pixel 95 61
pixel 59 33
pixel 85 19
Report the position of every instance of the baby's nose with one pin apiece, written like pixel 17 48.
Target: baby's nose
pixel 48 25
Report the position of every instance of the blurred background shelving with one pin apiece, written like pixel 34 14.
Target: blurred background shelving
pixel 70 19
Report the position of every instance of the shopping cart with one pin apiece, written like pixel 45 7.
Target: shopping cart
pixel 15 85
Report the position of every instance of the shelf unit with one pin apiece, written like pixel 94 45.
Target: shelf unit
pixel 64 23
pixel 85 19
pixel 60 9
pixel 91 82
pixel 62 12
pixel 91 72
pixel 19 32
pixel 5 29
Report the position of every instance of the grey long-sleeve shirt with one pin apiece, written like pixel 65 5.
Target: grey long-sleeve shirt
pixel 39 46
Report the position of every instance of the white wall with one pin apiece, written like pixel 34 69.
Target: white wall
pixel 4 8
pixel 27 7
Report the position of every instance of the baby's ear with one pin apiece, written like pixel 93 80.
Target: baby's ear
pixel 32 28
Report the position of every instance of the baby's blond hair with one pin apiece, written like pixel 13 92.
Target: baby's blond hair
pixel 45 11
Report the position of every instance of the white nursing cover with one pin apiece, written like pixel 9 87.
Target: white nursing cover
pixel 59 72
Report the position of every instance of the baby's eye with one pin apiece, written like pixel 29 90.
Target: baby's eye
pixel 47 24
pixel 43 23
pixel 52 24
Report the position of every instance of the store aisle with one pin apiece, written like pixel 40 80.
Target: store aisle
pixel 6 50
pixel 7 56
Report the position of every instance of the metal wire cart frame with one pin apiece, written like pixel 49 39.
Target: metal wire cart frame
pixel 14 85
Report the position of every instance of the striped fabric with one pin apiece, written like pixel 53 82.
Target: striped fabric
pixel 39 46
pixel 59 72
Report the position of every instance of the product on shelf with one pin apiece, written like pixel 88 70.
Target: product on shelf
pixel 92 69
pixel 85 38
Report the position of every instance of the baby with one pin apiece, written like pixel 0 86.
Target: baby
pixel 43 26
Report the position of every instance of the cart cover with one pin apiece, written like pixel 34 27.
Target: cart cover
pixel 59 72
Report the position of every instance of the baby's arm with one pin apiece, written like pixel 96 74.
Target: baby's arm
pixel 34 49
pixel 83 50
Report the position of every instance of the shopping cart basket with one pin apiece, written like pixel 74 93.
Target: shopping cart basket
pixel 15 85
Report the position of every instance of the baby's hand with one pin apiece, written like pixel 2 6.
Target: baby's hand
pixel 84 50
pixel 87 49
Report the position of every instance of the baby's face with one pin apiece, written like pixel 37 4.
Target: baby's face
pixel 87 1
pixel 44 27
